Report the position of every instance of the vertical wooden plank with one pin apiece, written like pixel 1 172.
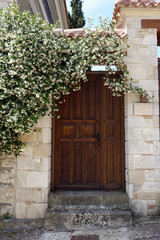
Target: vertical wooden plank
pixel 57 158
pixel 91 99
pixel 71 163
pixel 110 162
pixel 77 151
pixel 90 162
pixel 104 104
pixel 70 105
pixel 65 162
pixel 84 163
pixel 76 105
pixel 98 116
pixel 117 164
pixel 64 108
pixel 84 88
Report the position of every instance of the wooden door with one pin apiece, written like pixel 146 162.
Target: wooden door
pixel 89 139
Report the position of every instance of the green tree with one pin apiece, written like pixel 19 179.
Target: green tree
pixel 76 18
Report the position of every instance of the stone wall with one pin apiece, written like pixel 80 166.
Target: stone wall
pixel 34 173
pixel 142 119
pixel 25 181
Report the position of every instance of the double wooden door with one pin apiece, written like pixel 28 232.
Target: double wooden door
pixel 89 139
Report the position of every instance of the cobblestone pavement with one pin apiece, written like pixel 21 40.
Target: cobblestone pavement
pixel 139 231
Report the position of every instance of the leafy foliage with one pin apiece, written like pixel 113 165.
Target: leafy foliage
pixel 76 18
pixel 38 66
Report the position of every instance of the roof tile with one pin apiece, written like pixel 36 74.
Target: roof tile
pixel 136 3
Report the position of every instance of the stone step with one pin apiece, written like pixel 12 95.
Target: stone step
pixel 73 218
pixel 101 198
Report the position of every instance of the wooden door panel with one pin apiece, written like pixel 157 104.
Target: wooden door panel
pixel 89 139
pixel 75 135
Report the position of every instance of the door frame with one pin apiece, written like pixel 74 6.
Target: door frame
pixel 122 142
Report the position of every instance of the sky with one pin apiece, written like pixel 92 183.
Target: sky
pixel 96 8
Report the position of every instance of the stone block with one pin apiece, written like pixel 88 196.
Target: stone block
pixel 155 73
pixel 149 61
pixel 31 137
pixel 150 40
pixel 140 147
pixel 21 178
pixel 27 194
pixel 27 151
pixel 151 203
pixel 150 134
pixel 7 208
pixel 153 50
pixel 145 196
pixel 133 61
pixel 156 121
pixel 146 162
pixel 130 190
pixel 7 194
pixel 21 210
pixel 25 162
pixel 7 176
pixel 139 207
pixel 130 98
pixel 36 210
pixel 155 211
pixel 131 52
pixel 8 162
pixel 150 175
pixel 44 122
pixel 3 5
pixel 156 109
pixel 141 134
pixel 137 188
pixel 136 177
pixel 149 121
pixel 37 179
pixel 144 51
pixel 42 150
pixel 158 198
pixel 133 22
pixel 151 186
pixel 46 164
pixel 156 147
pixel 158 175
pixel 137 72
pixel 129 162
pixel 149 85
pixel 131 32
pixel 137 41
pixel 45 194
pixel 129 109
pixel 143 109
pixel 135 121
pixel 46 135
pixel 39 135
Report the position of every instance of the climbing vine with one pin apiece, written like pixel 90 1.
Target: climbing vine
pixel 38 66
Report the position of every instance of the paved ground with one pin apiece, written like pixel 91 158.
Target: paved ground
pixel 140 231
